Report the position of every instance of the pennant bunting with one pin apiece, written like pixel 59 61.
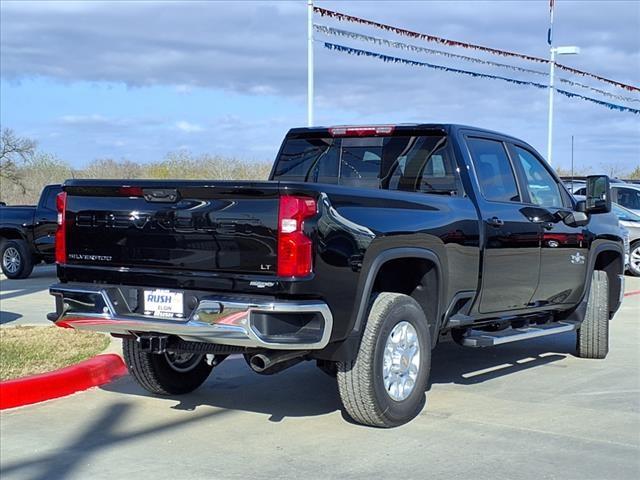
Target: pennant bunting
pixel 611 106
pixel 454 43
pixel 415 48
pixel 414 63
pixel 330 31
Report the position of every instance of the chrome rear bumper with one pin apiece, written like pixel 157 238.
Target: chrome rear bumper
pixel 245 322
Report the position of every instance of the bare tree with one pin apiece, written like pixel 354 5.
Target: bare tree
pixel 634 174
pixel 14 151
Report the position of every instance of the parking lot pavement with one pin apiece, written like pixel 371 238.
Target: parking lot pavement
pixel 526 410
pixel 27 301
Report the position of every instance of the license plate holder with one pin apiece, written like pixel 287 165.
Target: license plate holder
pixel 164 303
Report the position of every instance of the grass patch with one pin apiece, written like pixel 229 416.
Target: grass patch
pixel 31 350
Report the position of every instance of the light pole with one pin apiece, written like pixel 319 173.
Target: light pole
pixel 309 63
pixel 552 70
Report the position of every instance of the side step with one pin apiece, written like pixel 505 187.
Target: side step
pixel 477 338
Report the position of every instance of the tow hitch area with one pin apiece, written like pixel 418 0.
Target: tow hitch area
pixel 153 343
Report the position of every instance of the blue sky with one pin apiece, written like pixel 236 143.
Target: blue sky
pixel 136 80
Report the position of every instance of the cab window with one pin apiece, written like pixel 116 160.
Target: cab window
pixel 50 200
pixel 542 187
pixel 495 175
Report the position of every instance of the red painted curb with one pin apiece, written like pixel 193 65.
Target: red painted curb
pixel 635 292
pixel 93 372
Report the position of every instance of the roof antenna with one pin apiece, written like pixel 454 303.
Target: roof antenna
pixel 572 190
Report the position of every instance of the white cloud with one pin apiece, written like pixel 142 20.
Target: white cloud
pixel 188 127
pixel 259 48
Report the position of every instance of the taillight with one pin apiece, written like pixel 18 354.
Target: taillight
pixel 61 231
pixel 294 247
pixel 361 131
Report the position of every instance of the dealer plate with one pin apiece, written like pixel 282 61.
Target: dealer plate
pixel 164 303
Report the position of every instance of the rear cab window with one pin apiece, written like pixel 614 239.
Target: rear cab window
pixel 49 198
pixel 410 162
pixel 495 175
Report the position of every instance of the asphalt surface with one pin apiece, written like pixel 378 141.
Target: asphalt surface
pixel 27 301
pixel 528 410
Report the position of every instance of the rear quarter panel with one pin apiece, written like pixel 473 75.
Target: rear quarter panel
pixel 356 225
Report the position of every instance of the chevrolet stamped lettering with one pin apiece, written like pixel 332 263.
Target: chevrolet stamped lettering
pixel 182 220
pixel 366 248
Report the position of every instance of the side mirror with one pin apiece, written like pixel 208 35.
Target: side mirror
pixel 598 194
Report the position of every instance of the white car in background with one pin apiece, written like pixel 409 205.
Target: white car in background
pixel 625 194
pixel 630 223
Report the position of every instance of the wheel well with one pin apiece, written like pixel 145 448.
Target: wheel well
pixel 612 263
pixel 416 277
pixel 10 234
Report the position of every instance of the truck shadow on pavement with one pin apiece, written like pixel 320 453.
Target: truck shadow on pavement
pixel 305 391
pixel 302 391
pixel 451 363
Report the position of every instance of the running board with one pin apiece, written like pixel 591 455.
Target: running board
pixel 477 338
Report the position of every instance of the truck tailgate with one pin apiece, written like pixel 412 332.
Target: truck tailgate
pixel 187 226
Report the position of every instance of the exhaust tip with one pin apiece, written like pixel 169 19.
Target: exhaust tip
pixel 259 363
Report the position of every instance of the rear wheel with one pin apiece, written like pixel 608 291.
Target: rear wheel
pixel 634 259
pixel 593 334
pixel 15 259
pixel 384 386
pixel 165 373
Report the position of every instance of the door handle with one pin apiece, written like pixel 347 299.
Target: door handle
pixel 495 222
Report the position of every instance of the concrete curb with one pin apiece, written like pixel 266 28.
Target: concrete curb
pixel 93 372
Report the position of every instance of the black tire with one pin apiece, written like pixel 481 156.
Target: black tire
pixel 155 373
pixel 361 382
pixel 593 334
pixel 23 264
pixel 634 250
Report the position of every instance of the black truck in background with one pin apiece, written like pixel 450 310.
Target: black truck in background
pixel 27 234
pixel 366 247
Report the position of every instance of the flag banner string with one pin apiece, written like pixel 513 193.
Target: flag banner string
pixel 415 63
pixel 330 31
pixel 454 43
pixel 414 48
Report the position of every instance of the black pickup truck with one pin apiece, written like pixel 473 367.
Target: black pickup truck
pixel 27 234
pixel 366 247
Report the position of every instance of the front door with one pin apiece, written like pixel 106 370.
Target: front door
pixel 511 259
pixel 564 249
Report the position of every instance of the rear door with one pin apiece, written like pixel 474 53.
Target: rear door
pixel 511 257
pixel 564 249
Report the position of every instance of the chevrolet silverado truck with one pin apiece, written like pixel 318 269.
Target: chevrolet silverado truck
pixel 27 234
pixel 366 246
